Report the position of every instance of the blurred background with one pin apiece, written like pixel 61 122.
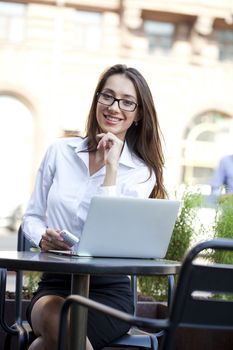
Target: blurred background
pixel 51 56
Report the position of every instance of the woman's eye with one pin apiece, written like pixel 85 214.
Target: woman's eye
pixel 127 103
pixel 107 97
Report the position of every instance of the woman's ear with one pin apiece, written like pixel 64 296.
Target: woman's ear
pixel 137 119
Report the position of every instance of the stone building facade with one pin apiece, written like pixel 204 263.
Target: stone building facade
pixel 52 53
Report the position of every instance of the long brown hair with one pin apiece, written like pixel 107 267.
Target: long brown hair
pixel 144 139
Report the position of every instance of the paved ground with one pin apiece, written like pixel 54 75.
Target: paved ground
pixel 8 241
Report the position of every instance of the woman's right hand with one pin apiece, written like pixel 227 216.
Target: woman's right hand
pixel 51 239
pixel 111 146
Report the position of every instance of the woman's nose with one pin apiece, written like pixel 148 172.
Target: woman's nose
pixel 114 106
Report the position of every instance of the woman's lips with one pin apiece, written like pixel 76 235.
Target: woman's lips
pixel 111 119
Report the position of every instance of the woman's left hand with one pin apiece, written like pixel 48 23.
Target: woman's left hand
pixel 111 146
pixel 51 239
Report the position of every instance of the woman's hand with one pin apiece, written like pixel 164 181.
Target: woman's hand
pixel 51 239
pixel 111 146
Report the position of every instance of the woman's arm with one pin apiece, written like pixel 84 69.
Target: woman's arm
pixel 34 220
pixel 34 223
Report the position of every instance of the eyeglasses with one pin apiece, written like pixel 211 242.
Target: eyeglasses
pixel 123 104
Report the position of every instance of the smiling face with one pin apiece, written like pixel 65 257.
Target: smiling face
pixel 112 118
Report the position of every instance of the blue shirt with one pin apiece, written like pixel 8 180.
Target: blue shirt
pixel 64 187
pixel 223 176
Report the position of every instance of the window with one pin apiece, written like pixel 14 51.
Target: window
pixel 206 135
pixel 201 173
pixel 206 139
pixel 160 36
pixel 224 39
pixel 88 30
pixel 12 22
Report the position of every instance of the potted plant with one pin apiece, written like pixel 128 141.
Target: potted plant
pixel 223 227
pixel 183 233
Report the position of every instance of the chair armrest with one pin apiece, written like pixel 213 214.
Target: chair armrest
pixel 149 323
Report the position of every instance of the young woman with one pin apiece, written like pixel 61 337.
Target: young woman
pixel 121 155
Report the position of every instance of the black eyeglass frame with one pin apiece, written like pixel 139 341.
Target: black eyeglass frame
pixel 118 101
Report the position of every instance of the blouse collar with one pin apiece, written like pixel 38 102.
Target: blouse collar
pixel 127 157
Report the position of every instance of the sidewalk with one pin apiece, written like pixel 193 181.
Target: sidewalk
pixel 8 241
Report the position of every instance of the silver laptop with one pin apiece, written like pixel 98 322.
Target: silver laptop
pixel 127 227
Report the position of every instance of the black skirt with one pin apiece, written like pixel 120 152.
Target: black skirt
pixel 113 291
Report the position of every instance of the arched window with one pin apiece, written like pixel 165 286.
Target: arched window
pixel 16 149
pixel 205 141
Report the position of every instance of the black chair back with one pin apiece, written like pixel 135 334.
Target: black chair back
pixel 23 244
pixel 204 294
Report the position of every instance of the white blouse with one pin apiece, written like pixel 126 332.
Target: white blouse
pixel 64 187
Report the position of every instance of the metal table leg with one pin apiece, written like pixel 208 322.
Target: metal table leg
pixel 78 316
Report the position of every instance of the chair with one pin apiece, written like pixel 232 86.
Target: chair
pixel 19 328
pixel 135 338
pixel 197 301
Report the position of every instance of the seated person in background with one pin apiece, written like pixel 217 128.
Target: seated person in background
pixel 120 155
pixel 223 178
